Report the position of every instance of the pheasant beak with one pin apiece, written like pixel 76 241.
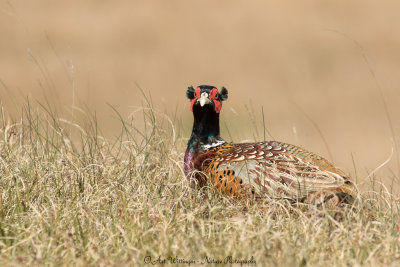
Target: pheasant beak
pixel 204 99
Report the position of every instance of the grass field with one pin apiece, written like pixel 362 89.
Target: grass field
pixel 91 168
pixel 71 197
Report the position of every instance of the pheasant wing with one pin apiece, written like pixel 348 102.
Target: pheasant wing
pixel 268 167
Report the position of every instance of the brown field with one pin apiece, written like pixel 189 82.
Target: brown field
pixel 326 74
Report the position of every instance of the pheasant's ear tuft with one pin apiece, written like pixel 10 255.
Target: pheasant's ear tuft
pixel 224 94
pixel 190 92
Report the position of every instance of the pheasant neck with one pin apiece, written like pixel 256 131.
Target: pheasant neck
pixel 205 134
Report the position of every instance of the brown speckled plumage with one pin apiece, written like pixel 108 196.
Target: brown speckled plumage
pixel 278 169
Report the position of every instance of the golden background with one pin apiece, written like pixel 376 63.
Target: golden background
pixel 318 69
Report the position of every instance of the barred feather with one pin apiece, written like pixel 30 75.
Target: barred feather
pixel 278 169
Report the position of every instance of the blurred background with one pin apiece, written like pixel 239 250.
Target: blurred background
pixel 325 74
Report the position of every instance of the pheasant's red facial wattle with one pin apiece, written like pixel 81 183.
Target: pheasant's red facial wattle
pixel 196 96
pixel 214 97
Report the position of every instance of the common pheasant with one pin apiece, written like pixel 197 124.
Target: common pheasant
pixel 269 168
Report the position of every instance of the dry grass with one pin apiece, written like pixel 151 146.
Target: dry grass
pixel 71 197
